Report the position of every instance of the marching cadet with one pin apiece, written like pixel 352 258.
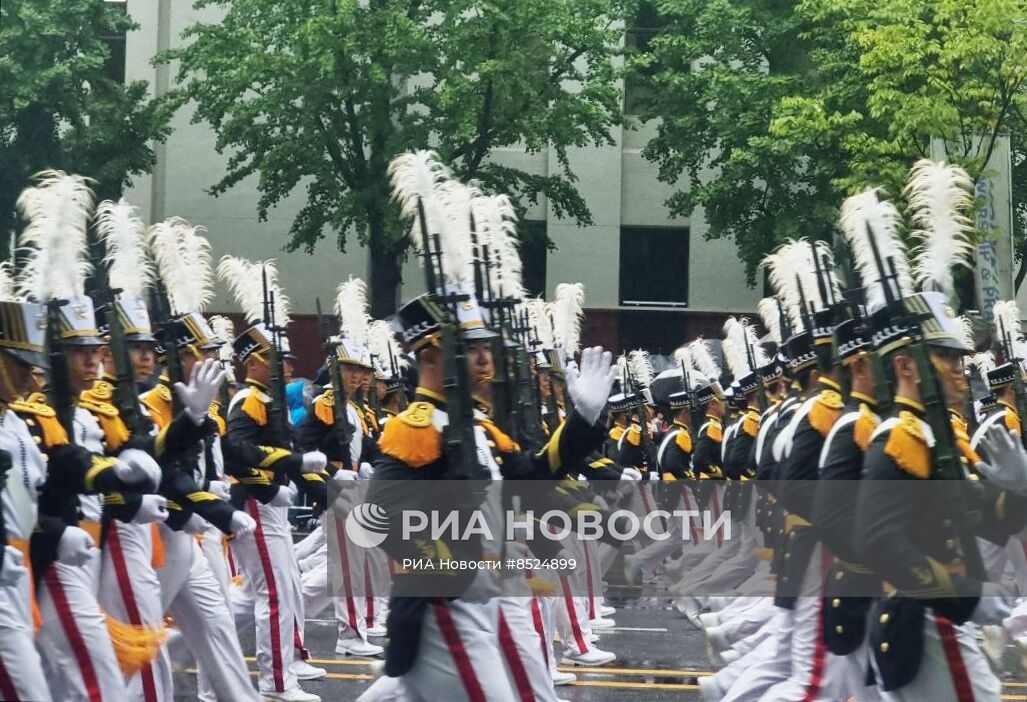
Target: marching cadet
pixel 259 454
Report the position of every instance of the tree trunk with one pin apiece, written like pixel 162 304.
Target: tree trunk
pixel 385 270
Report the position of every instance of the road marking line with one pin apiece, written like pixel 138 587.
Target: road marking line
pixel 634 685
pixel 633 671
pixel 332 676
pixel 655 630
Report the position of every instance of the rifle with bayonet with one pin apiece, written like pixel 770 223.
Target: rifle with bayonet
pixel 278 420
pixel 164 330
pixel 59 393
pixel 761 389
pixel 126 395
pixel 341 427
pixel 1008 350
pixel 645 442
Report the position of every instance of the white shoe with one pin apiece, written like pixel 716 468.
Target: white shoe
pixel 293 695
pixel 607 611
pixel 708 619
pixel 562 678
pixel 592 638
pixel 593 656
pixel 730 656
pixel 993 645
pixel 602 623
pixel 305 671
pixel 377 631
pixel 709 689
pixel 358 647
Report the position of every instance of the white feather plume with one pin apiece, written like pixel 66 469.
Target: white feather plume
pixel 458 255
pixel 682 357
pixel 496 223
pixel 282 304
pixel 245 280
pixel 865 213
pixel 185 265
pixel 541 322
pixel 641 368
pixel 414 176
pixel 939 196
pixel 568 314
pixel 381 341
pixel 782 267
pixel 733 348
pixel 1006 316
pixel 8 291
pixel 351 306
pixel 702 358
pixel 770 312
pixel 57 211
pixel 224 330
pixel 825 259
pixel 966 331
pixel 122 231
pixel 622 369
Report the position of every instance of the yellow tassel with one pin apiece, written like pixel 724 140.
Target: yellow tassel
pixel 237 580
pixel 159 409
pixel 1013 422
pixel 53 433
pixel 864 427
pixel 963 442
pixel 908 447
pixel 825 410
pixel 255 408
pixel 503 442
pixel 634 435
pixel 411 437
pixel 134 645
pixel 684 441
pixel 540 587
pixel 751 424
pixel 115 433
pixel 668 476
pixel 157 558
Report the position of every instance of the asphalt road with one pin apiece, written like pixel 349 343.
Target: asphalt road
pixel 659 656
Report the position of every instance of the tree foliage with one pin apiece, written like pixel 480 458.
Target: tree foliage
pixel 321 94
pixel 60 108
pixel 790 106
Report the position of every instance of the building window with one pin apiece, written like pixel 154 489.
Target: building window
pixel 646 24
pixel 654 267
pixel 534 251
pixel 114 67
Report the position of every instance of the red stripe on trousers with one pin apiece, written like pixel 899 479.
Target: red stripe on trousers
pixel 297 640
pixel 6 684
pixel 588 581
pixel 451 636
pixel 74 636
pixel 233 571
pixel 957 668
pixel 340 536
pixel 513 659
pixel 272 595
pixel 692 530
pixel 368 597
pixel 569 603
pixel 820 652
pixel 128 596
pixel 536 618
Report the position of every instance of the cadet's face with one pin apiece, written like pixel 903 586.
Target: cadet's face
pixel 257 369
pixel 948 364
pixel 479 358
pixel 545 387
pixel 83 365
pixel 15 377
pixel 144 359
pixel 352 377
pixel 365 379
pixel 289 368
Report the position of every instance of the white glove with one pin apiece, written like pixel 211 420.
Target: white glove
pixel 204 383
pixel 75 546
pixel 589 386
pixel 242 524
pixel 366 471
pixel 195 524
pixel 221 489
pixel 1007 460
pixel 153 509
pixel 13 568
pixel 135 466
pixel 314 462
pixel 994 606
pixel 344 474
pixel 285 497
pixel 630 474
pixel 653 475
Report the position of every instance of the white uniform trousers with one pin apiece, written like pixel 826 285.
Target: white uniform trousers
pixel 74 642
pixel 953 667
pixel 761 675
pixel 716 686
pixel 21 669
pixel 524 650
pixel 266 563
pixel 355 598
pixel 192 595
pixel 130 592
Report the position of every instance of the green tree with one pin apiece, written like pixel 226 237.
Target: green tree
pixel 865 87
pixel 321 94
pixel 61 106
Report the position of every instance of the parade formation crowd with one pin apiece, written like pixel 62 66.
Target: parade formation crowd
pixel 865 439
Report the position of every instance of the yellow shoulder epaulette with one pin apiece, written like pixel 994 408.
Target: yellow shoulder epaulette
pixel 255 406
pixel 102 408
pixel 1013 422
pixel 634 435
pixel 684 441
pixel 158 403
pixel 324 407
pixel 864 427
pixel 616 432
pixel 28 406
pixel 412 437
pixel 751 423
pixel 45 417
pixel 826 409
pixel 907 446
pixel 715 431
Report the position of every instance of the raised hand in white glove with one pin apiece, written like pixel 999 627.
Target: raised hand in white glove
pixel 314 462
pixel 344 474
pixel 994 606
pixel 13 566
pixel 1006 464
pixel 204 383
pixel 366 471
pixel 135 467
pixel 154 508
pixel 195 524
pixel 285 497
pixel 221 489
pixel 75 546
pixel 242 524
pixel 630 474
pixel 589 386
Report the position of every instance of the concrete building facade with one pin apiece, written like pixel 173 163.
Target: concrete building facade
pixel 650 279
